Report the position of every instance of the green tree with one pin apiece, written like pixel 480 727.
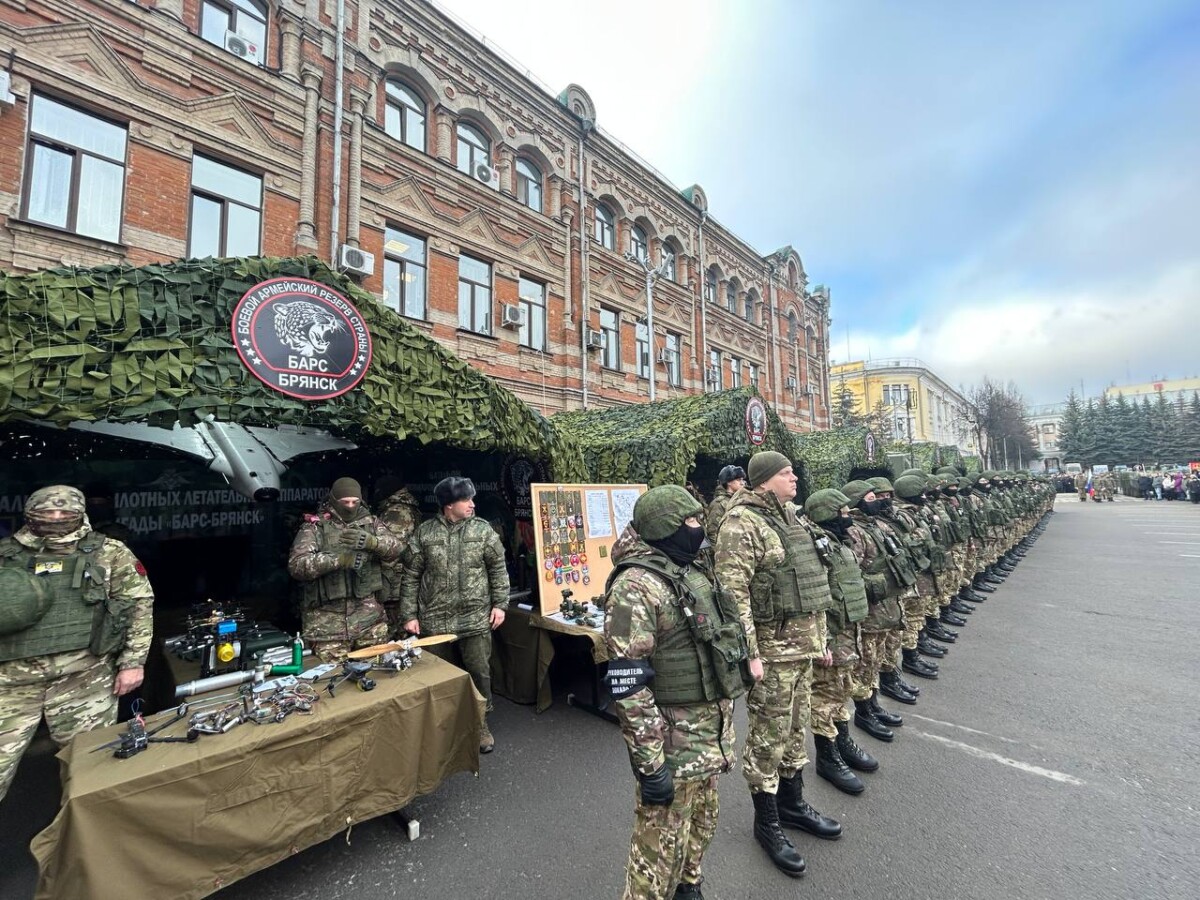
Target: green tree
pixel 1068 431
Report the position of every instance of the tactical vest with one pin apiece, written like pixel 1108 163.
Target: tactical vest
pixel 703 659
pixel 957 521
pixel 891 564
pixel 977 516
pixel 341 584
pixel 799 586
pixel 939 558
pixel 917 546
pixel 995 513
pixel 80 616
pixel 847 587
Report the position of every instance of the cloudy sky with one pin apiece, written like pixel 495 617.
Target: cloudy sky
pixel 1009 189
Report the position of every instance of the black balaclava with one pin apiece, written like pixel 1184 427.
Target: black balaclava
pixel 871 507
pixel 682 545
pixel 838 525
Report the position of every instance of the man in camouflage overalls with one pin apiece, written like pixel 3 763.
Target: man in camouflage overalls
pixel 337 557
pixel 455 582
pixel 76 620
pixel 398 509
pixel 669 637
pixel 770 563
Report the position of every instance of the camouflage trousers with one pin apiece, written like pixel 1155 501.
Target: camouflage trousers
pixel 913 605
pixel 335 651
pixel 669 841
pixel 778 712
pixel 72 690
pixel 333 630
pixel 473 653
pixel 864 678
pixel 831 688
pixel 893 641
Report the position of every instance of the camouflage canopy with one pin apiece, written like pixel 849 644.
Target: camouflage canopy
pixel 925 455
pixel 659 443
pixel 152 344
pixel 830 457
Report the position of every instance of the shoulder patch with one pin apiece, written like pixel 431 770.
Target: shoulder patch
pixel 141 569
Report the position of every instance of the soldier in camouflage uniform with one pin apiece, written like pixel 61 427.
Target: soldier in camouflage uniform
pixel 337 557
pixel 906 517
pixel 399 511
pixel 773 566
pixel 455 582
pixel 76 619
pixel 669 637
pixel 730 480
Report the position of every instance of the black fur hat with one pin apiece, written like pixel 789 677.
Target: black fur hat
pixel 452 489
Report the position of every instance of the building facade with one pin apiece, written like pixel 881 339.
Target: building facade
pixel 1173 389
pixel 912 401
pixel 1046 424
pixel 495 215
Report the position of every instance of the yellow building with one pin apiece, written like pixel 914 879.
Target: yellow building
pixel 916 404
pixel 1172 389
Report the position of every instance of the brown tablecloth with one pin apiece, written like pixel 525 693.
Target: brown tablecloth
pixel 599 652
pixel 184 820
pixel 520 656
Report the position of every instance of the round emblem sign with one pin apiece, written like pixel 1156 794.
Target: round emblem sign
pixel 869 442
pixel 301 338
pixel 756 421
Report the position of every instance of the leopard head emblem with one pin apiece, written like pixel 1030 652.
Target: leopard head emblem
pixel 305 327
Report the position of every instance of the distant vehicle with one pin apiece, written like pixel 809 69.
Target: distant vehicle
pixel 1099 469
pixel 1121 468
pixel 1072 468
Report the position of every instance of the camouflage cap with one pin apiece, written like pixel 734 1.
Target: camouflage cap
pixel 765 465
pixel 824 505
pixel 879 483
pixel 856 490
pixel 908 486
pixel 660 511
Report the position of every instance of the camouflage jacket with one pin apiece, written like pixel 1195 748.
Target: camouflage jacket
pixel 454 576
pixel 911 524
pixel 716 513
pixel 745 543
pixel 124 580
pixel 695 740
pixel 401 514
pixel 308 561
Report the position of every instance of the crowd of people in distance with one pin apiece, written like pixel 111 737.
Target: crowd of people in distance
pixel 1176 485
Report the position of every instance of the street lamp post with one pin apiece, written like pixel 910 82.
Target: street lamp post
pixel 653 273
pixel 1006 453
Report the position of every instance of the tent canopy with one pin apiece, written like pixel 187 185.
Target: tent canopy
pixel 831 456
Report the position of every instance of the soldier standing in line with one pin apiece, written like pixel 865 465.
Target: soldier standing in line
pixel 905 516
pixel 398 509
pixel 337 557
pixel 730 480
pixel 669 637
pixel 455 582
pixel 773 566
pixel 832 687
pixel 76 620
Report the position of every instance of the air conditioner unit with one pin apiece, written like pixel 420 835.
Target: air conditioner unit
pixel 809 390
pixel 6 94
pixel 489 175
pixel 243 47
pixel 355 261
pixel 663 357
pixel 714 376
pixel 791 383
pixel 596 339
pixel 511 315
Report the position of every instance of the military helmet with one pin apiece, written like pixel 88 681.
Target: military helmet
pixel 879 483
pixel 26 599
pixel 948 470
pixel 856 490
pixel 915 470
pixel 909 486
pixel 660 511
pixel 824 505
pixel 964 484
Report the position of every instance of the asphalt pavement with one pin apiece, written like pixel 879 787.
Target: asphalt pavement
pixel 1056 757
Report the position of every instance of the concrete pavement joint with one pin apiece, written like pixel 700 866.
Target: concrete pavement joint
pixel 1061 777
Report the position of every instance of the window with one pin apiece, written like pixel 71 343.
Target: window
pixel 610 327
pixel 668 261
pixel 710 286
pixel 404 115
pixel 606 227
pixel 731 292
pixel 474 295
pixel 473 149
pixel 529 184
pixel 642 349
pixel 735 372
pixel 752 373
pixel 226 210
pixel 713 377
pixel 674 352
pixel 533 300
pixel 404 273
pixel 895 395
pixel 1048 428
pixel 792 325
pixel 639 245
pixel 749 306
pixel 76 170
pixel 243 17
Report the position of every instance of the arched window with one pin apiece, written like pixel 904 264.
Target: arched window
pixel 473 149
pixel 731 292
pixel 668 261
pixel 749 308
pixel 792 278
pixel 710 284
pixel 606 227
pixel 404 116
pixel 240 26
pixel 529 184
pixel 639 244
pixel 792 325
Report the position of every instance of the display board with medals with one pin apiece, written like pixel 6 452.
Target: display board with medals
pixel 575 527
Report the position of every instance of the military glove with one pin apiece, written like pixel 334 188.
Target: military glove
pixel 658 788
pixel 354 539
pixel 351 560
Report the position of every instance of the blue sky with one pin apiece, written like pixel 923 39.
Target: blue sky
pixel 1001 189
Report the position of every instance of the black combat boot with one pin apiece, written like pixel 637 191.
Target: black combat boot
pixel 911 688
pixel 833 768
pixel 971 595
pixel 982 585
pixel 939 632
pixel 889 684
pixel 961 606
pixel 926 647
pixel 1004 567
pixel 914 665
pixel 795 812
pixel 771 837
pixel 865 719
pixel 886 716
pixel 855 756
pixel 948 617
pixel 687 891
pixel 992 576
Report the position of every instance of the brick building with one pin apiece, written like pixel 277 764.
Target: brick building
pixel 493 214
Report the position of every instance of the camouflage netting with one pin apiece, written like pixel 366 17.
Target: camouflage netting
pixel 924 455
pixel 830 456
pixel 152 344
pixel 972 464
pixel 659 443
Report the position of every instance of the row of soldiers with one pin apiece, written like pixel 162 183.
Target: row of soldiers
pixel 1099 486
pixel 803 609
